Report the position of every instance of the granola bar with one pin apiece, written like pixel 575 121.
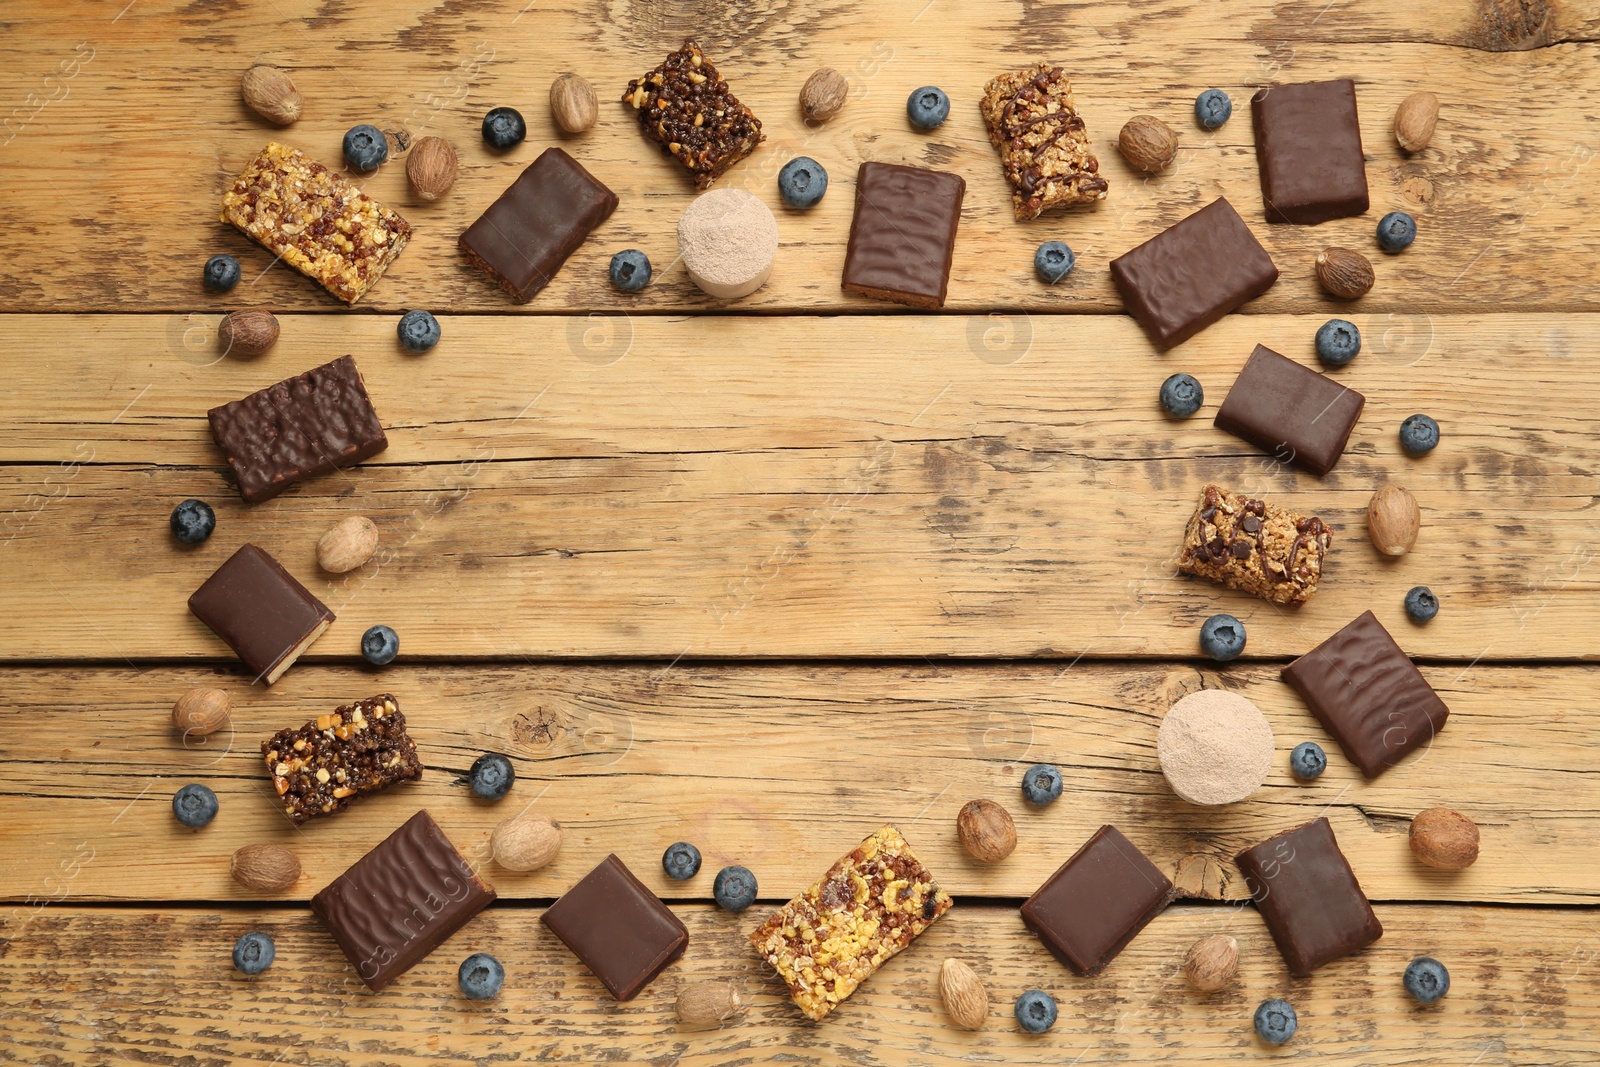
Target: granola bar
pixel 360 748
pixel 686 107
pixel 315 220
pixel 1254 547
pixel 831 938
pixel 1044 149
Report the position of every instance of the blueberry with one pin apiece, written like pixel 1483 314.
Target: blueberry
pixel 418 330
pixel 802 181
pixel 194 805
pixel 503 128
pixel 681 861
pixel 1275 1021
pixel 380 645
pixel 734 888
pixel 1426 979
pixel 1181 396
pixel 927 107
pixel 1338 342
pixel 1041 784
pixel 1212 108
pixel 1396 231
pixel 1421 604
pixel 1419 434
pixel 1308 761
pixel 1222 637
pixel 253 953
pixel 192 521
pixel 1053 261
pixel 365 148
pixel 630 270
pixel 222 273
pixel 1036 1011
pixel 491 776
pixel 480 976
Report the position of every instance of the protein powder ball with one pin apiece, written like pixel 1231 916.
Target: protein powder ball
pixel 728 240
pixel 1215 747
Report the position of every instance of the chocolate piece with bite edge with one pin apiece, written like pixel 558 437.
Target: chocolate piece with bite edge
pixel 1291 412
pixel 903 235
pixel 1308 151
pixel 1191 274
pixel 1309 897
pixel 401 901
pixel 527 234
pixel 686 107
pixel 1256 547
pixel 1044 150
pixel 1368 694
pixel 617 928
pixel 263 614
pixel 310 424
pixel 1093 906
pixel 360 748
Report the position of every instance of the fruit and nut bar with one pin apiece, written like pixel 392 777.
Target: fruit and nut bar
pixel 686 107
pixel 869 906
pixel 1255 547
pixel 1044 149
pixel 318 768
pixel 315 220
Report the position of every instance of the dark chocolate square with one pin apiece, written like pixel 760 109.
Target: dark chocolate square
pixel 1093 906
pixel 1290 412
pixel 1368 694
pixel 903 235
pixel 263 614
pixel 617 928
pixel 1309 897
pixel 1308 150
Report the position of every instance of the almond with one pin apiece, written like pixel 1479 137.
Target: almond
pixel 823 95
pixel 1147 143
pixel 248 333
pixel 265 868
pixel 708 1005
pixel 526 842
pixel 573 104
pixel 1393 519
pixel 1344 273
pixel 1444 839
pixel 270 93
pixel 986 830
pixel 1212 962
pixel 349 544
pixel 965 999
pixel 431 167
pixel 1414 121
pixel 200 712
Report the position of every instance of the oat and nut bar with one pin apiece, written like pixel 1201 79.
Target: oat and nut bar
pixel 1255 547
pixel 360 748
pixel 686 107
pixel 315 220
pixel 831 938
pixel 1044 149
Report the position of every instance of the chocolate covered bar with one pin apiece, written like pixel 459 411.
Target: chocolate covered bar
pixel 903 235
pixel 263 614
pixel 1290 412
pixel 1309 897
pixel 1044 149
pixel 619 929
pixel 527 234
pixel 319 768
pixel 310 424
pixel 1255 547
pixel 1368 694
pixel 401 901
pixel 1308 151
pixel 1191 274
pixel 869 906
pixel 315 220
pixel 685 106
pixel 1090 909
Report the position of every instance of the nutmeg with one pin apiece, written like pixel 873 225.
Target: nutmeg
pixel 966 1001
pixel 431 167
pixel 986 830
pixel 573 104
pixel 1147 143
pixel 1344 273
pixel 248 333
pixel 709 1005
pixel 1414 121
pixel 200 712
pixel 270 93
pixel 348 544
pixel 823 95
pixel 1212 962
pixel 1444 839
pixel 526 842
pixel 265 868
pixel 1393 519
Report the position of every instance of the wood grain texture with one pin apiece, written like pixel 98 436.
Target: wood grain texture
pixel 1503 190
pixel 1522 993
pixel 782 769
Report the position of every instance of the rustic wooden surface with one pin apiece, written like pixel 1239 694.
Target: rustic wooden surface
pixel 767 582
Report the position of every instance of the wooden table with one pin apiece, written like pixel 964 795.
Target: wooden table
pixel 766 576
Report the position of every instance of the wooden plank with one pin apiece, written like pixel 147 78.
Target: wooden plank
pixel 155 89
pixel 156 987
pixel 782 769
pixel 863 485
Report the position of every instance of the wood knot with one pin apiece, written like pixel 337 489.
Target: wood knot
pixel 538 729
pixel 1512 25
pixel 1200 877
pixel 1417 190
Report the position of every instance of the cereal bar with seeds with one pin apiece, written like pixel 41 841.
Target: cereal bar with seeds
pixel 315 220
pixel 1044 149
pixel 686 107
pixel 870 905
pixel 360 748
pixel 1255 547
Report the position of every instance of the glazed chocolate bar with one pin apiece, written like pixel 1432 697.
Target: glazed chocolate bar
pixel 306 425
pixel 401 901
pixel 1290 412
pixel 264 615
pixel 360 748
pixel 1097 901
pixel 869 906
pixel 315 221
pixel 903 235
pixel 1308 151
pixel 1308 895
pixel 619 929
pixel 686 107
pixel 1255 547
pixel 1044 150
